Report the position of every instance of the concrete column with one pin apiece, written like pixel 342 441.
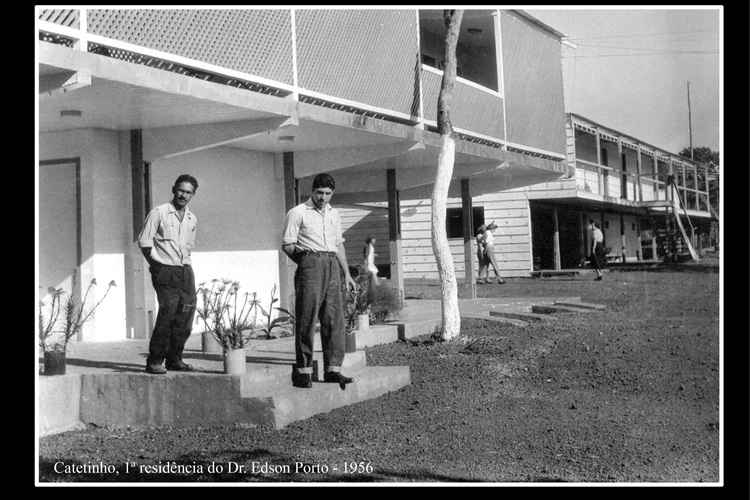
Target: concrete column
pixel 394 232
pixel 287 267
pixel 139 299
pixel 468 223
pixel 556 240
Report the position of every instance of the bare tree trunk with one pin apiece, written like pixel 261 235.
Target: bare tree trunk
pixel 449 296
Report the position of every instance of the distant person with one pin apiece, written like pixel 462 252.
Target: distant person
pixel 489 250
pixel 481 255
pixel 369 254
pixel 597 248
pixel 313 240
pixel 166 241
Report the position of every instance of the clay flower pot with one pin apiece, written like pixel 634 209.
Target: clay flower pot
pixel 235 362
pixel 54 362
pixel 363 322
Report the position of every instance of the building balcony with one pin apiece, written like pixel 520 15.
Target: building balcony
pixel 375 62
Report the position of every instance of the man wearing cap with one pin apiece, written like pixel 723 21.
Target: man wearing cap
pixel 314 241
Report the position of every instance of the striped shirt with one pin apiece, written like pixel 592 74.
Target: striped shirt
pixel 313 229
pixel 170 239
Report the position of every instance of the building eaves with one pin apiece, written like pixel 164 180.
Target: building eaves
pixel 539 23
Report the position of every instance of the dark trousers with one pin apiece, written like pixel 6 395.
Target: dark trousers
pixel 597 257
pixel 317 285
pixel 175 290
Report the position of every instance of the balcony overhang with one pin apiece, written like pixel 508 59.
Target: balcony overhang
pixel 180 114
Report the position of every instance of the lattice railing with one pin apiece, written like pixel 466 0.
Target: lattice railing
pixel 63 17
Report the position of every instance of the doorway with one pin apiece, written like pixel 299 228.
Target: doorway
pixel 59 232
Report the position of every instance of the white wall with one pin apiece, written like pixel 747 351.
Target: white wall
pixel 240 208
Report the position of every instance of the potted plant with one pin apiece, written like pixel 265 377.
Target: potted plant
pixel 63 320
pixel 357 310
pixel 229 324
pixel 283 323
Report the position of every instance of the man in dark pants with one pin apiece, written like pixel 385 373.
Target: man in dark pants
pixel 166 240
pixel 597 248
pixel 313 240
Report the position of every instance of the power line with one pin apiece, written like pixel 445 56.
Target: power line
pixel 636 35
pixel 645 54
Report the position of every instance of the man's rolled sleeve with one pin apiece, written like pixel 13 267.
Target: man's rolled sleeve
pixel 291 229
pixel 150 227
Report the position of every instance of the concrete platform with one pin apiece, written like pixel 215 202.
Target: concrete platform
pixel 105 385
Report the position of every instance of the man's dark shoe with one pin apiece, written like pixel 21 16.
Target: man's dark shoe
pixel 337 378
pixel 155 369
pixel 302 380
pixel 179 366
pixel 598 278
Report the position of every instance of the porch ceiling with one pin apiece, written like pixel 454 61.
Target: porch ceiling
pixel 120 106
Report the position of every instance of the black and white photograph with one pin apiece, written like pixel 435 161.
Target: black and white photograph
pixel 380 245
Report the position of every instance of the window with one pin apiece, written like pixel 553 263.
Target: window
pixel 605 160
pixel 454 223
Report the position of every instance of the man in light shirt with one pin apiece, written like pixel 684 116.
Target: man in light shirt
pixel 314 241
pixel 597 248
pixel 166 241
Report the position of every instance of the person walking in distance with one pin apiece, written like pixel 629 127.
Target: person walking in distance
pixel 489 249
pixel 313 240
pixel 166 241
pixel 370 266
pixel 597 248
pixel 481 255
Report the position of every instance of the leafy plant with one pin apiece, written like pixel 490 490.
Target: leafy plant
pixel 218 308
pixel 74 315
pixel 285 323
pixel 357 301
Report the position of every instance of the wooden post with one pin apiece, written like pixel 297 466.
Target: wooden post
pixel 639 167
pixel 556 240
pixel 467 220
pixel 623 171
pixel 394 233
pixel 600 171
pixel 639 243
pixel 623 240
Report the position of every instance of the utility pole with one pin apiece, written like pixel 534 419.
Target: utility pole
pixel 690 121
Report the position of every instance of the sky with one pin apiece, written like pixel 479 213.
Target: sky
pixel 631 67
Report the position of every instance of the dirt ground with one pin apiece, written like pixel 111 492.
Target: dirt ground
pixel 630 394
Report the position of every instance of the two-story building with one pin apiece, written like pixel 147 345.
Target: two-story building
pixel 254 103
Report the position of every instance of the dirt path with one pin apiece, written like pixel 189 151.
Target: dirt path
pixel 627 394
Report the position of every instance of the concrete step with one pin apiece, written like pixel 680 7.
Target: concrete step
pixel 546 309
pixel 523 316
pixel 264 396
pixel 495 319
pixel 410 329
pixel 297 404
pixel 376 335
pixel 583 305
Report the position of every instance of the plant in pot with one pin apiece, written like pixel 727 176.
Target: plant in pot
pixel 357 310
pixel 227 318
pixel 62 321
pixel 285 324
